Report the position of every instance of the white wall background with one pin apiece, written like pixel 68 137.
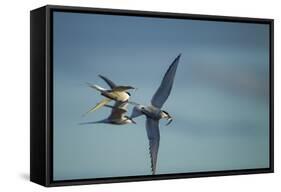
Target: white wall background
pixel 14 94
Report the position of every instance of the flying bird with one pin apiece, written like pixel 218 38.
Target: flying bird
pixel 117 93
pixel 117 116
pixel 154 111
pixel 118 111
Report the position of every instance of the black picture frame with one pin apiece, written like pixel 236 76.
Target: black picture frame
pixel 41 101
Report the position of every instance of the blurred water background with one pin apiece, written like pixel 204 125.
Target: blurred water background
pixel 219 101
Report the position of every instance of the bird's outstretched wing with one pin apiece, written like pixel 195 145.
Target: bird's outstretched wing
pixel 98 105
pixel 165 88
pixel 96 87
pixel 94 122
pixel 153 134
pixel 122 88
pixel 136 111
pixel 110 83
pixel 118 110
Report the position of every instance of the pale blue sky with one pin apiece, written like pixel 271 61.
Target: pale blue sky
pixel 219 100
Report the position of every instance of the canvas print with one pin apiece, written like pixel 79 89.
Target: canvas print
pixel 138 96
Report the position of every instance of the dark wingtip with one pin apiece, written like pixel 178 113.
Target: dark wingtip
pixel 101 76
pixel 151 162
pixel 177 58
